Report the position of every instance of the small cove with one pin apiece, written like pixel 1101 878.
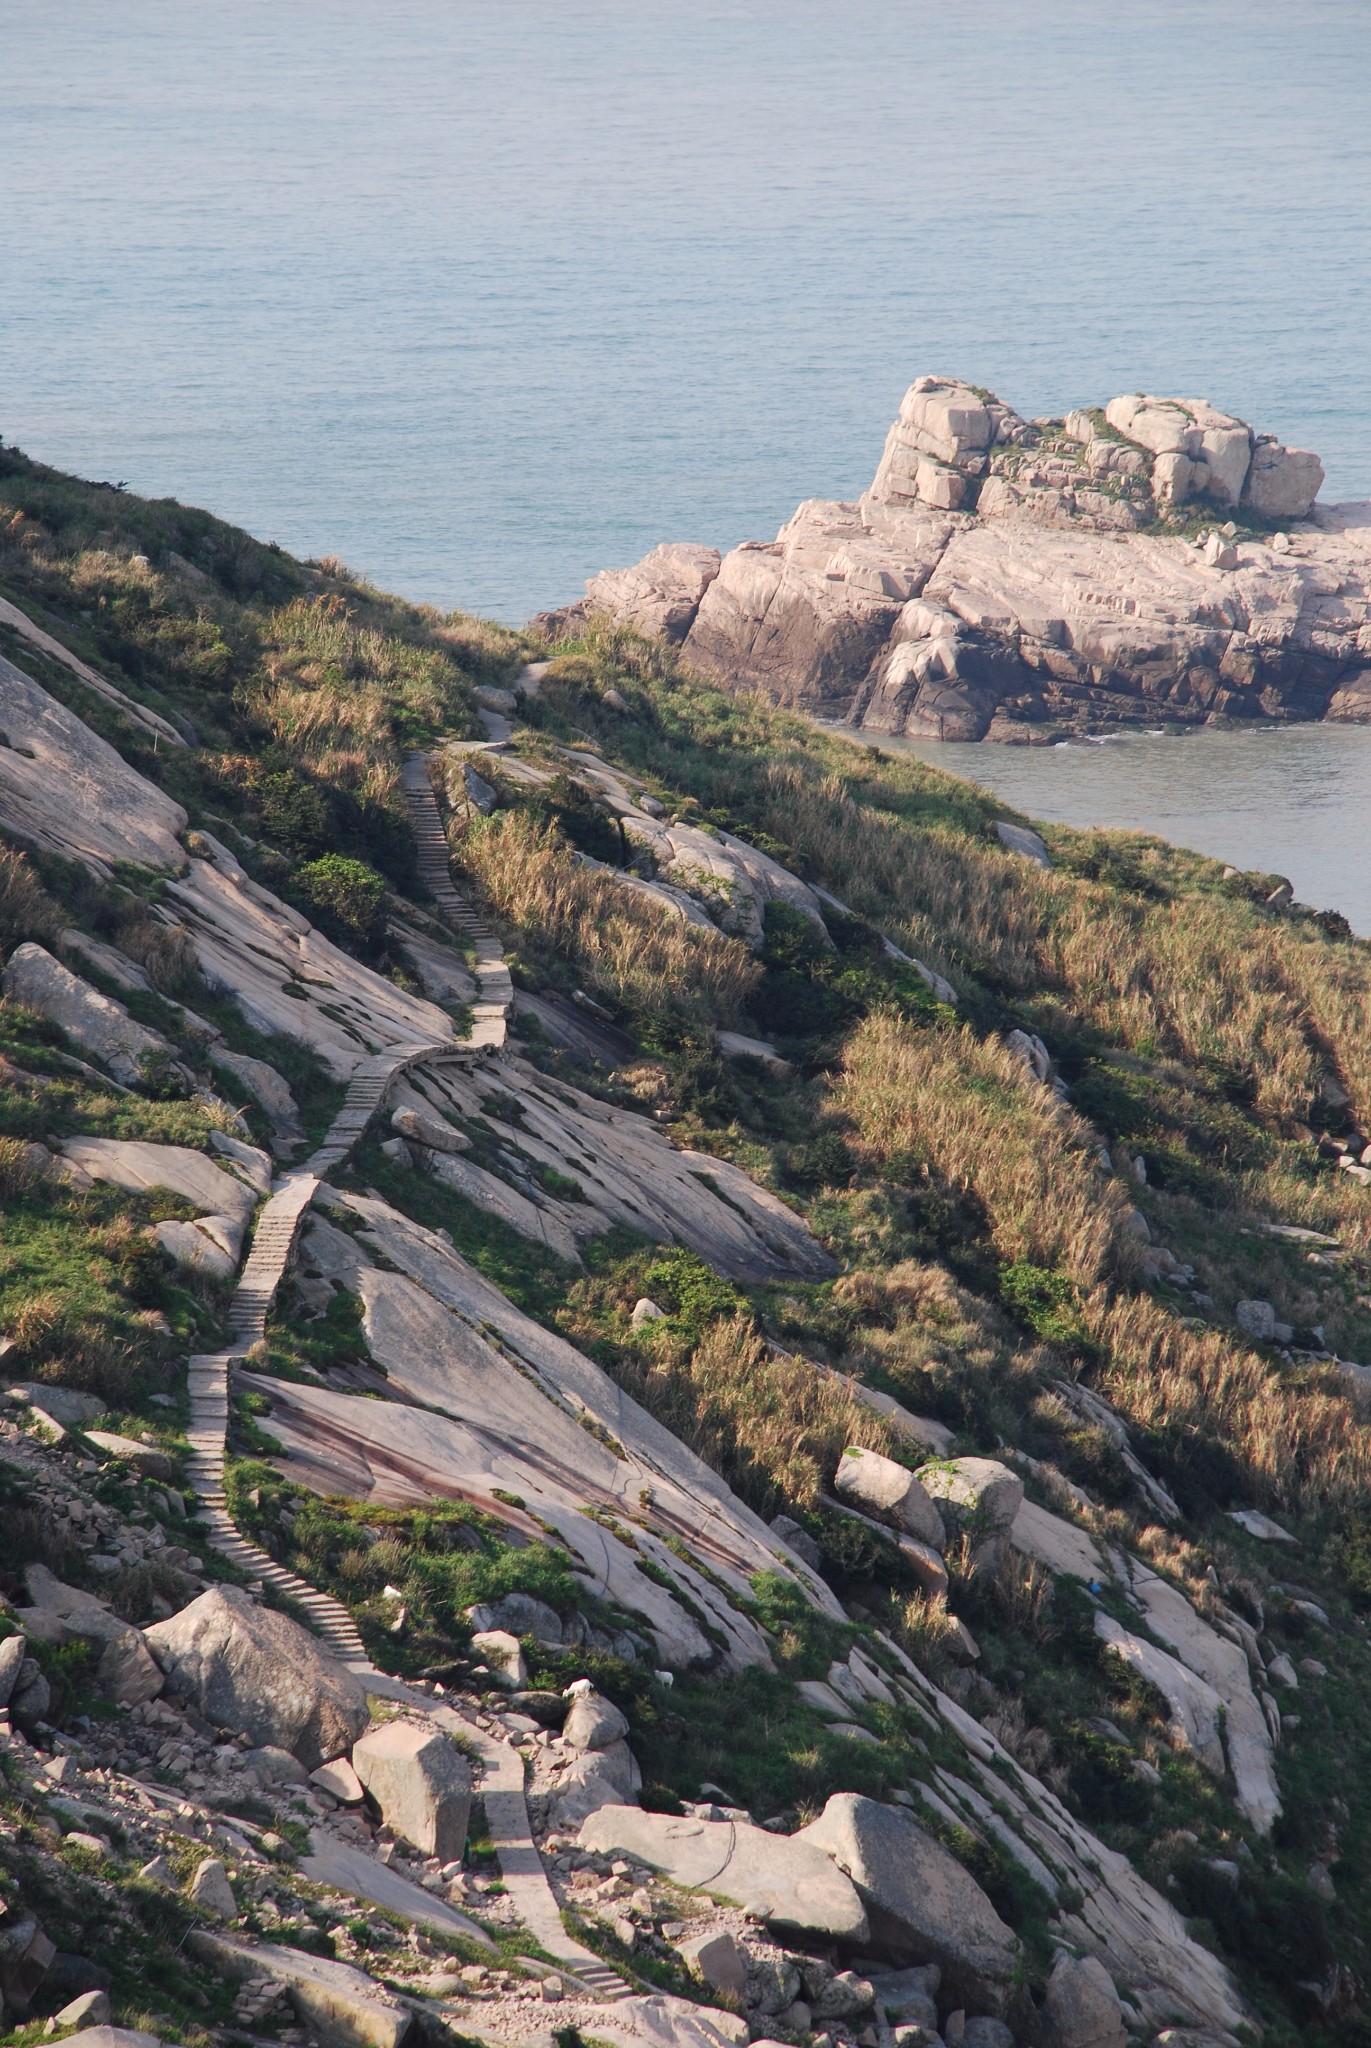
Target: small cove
pixel 1295 800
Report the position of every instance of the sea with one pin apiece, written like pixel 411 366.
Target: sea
pixel 486 297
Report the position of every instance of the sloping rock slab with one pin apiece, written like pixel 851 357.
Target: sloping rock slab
pixel 789 1883
pixel 359 1876
pixel 342 2006
pixel 696 1502
pixel 404 1456
pixel 631 1174
pixel 287 978
pixel 130 1163
pixel 1055 1542
pixel 923 1906
pixel 1224 1666
pixel 95 1022
pixel 66 790
pixel 250 1669
pixel 1195 1706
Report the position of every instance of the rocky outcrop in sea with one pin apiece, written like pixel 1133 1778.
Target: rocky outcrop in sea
pixel 1010 579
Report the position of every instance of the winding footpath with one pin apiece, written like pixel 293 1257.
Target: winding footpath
pixel 210 1374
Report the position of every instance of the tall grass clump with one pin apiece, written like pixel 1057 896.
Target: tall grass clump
pixel 671 977
pixel 772 1423
pixel 962 1111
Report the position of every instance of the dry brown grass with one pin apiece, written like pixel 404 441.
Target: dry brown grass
pixel 16 1172
pixel 1298 1444
pixel 1199 976
pixel 624 949
pixel 774 1424
pixel 938 1348
pixel 26 909
pixel 963 1111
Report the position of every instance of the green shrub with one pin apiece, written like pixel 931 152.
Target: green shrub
pixel 345 894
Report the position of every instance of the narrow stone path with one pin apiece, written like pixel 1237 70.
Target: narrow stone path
pixel 491 1008
pixel 209 1375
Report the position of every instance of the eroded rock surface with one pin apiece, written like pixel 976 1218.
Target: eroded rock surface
pixel 1002 577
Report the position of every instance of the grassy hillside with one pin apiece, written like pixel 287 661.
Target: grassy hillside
pixel 987 1232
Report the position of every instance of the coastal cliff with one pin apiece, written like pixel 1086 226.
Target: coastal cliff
pixel 1015 580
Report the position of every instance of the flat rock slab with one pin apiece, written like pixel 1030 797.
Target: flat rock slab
pixel 789 1883
pixel 342 2006
pixel 360 1876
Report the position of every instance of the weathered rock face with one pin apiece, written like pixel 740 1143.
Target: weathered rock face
pixel 923 1906
pixel 99 1025
pixel 662 593
pixel 248 1668
pixel 422 1784
pixel 65 789
pixel 997 580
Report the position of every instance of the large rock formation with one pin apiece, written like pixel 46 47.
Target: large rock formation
pixel 248 1668
pixel 922 1905
pixel 1004 578
pixel 422 1784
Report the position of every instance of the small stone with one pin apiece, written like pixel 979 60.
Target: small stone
pixel 646 1310
pixel 718 1959
pixel 159 1872
pixel 211 1891
pixel 91 2009
pixel 340 1781
pixel 552 1990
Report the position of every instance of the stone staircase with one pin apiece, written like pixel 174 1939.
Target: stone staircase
pixel 491 1009
pixel 210 1374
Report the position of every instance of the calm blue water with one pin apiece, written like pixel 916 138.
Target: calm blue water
pixel 1286 800
pixel 484 297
